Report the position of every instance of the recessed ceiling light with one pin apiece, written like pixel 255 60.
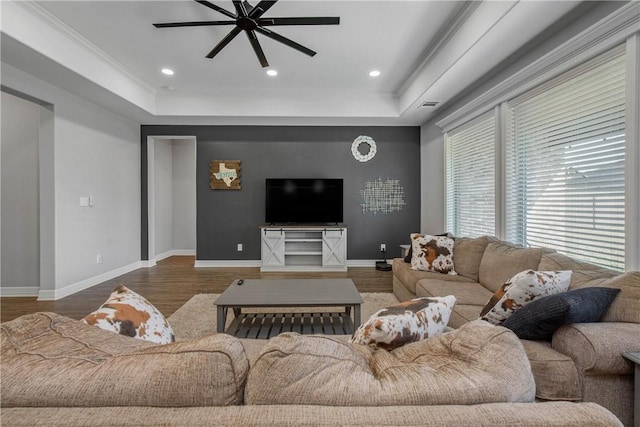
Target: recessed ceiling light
pixel 374 73
pixel 272 73
pixel 167 71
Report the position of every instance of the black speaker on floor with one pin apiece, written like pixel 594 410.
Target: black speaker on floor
pixel 383 265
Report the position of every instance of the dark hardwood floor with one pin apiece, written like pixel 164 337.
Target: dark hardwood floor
pixel 173 281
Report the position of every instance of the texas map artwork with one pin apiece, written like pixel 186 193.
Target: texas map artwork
pixel 225 174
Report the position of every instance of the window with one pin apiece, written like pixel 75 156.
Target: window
pixel 568 146
pixel 565 161
pixel 470 178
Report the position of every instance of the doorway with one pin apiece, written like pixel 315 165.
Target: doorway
pixel 171 178
pixel 26 177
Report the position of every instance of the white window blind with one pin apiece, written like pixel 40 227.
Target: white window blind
pixel 565 159
pixel 470 178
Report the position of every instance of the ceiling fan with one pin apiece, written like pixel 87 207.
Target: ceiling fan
pixel 249 19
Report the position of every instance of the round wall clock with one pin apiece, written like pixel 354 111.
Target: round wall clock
pixel 367 155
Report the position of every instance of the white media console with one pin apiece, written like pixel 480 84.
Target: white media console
pixel 303 248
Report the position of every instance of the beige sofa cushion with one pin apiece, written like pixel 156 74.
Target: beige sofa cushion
pixel 464 313
pixel 467 254
pixel 402 270
pixel 502 260
pixel 626 306
pixel 474 364
pixel 465 292
pixel 556 375
pixel 51 360
pixel 582 271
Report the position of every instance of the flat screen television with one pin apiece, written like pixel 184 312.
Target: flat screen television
pixel 307 200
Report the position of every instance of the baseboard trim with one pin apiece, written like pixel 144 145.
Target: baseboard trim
pixel 18 291
pixel 258 263
pixel 227 263
pixel 361 262
pixel 52 295
pixel 145 263
pixel 175 252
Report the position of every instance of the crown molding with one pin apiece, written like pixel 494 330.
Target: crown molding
pixel 57 25
pixel 450 28
pixel 474 24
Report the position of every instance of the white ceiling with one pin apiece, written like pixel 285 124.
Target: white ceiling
pixel 109 52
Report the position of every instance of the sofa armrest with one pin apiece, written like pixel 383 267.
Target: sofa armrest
pixel 598 347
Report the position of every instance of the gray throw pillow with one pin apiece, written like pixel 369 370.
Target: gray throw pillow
pixel 539 319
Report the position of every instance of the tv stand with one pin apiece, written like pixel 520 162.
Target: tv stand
pixel 303 248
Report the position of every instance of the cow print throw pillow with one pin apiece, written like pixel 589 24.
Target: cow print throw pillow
pixel 520 290
pixel 406 322
pixel 432 253
pixel 128 313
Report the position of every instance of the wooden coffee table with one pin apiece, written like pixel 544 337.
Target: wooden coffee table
pixel 287 293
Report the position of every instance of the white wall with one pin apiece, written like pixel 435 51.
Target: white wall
pixel 432 179
pixel 95 153
pixel 184 195
pixel 163 181
pixel 20 196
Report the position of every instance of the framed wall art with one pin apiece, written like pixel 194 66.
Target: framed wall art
pixel 225 174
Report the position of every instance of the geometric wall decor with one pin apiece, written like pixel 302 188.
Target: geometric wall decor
pixel 225 174
pixel 385 197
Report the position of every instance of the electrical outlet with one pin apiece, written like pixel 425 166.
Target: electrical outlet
pixel 383 247
pixel 99 259
pixel 239 247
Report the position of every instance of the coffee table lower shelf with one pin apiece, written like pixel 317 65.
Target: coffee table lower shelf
pixel 266 325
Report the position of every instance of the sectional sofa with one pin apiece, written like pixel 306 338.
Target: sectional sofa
pixel 57 371
pixel 582 362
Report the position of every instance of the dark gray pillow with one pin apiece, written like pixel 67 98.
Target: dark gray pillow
pixel 539 319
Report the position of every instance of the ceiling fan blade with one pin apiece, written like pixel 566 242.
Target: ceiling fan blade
pixel 320 20
pixel 240 9
pixel 286 41
pixel 259 9
pixel 216 8
pixel 225 41
pixel 255 44
pixel 193 24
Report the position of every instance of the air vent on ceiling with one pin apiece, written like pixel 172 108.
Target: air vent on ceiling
pixel 429 104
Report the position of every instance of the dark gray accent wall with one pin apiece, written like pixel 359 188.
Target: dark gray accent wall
pixel 228 217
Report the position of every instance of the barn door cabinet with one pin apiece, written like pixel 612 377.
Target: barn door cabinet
pixel 303 248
